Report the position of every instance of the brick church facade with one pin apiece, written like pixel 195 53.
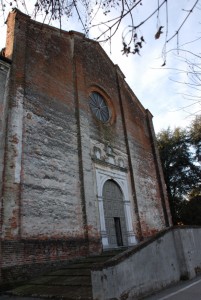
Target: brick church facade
pixel 79 167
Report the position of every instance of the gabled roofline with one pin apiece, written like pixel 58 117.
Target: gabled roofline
pixel 5 59
pixel 17 11
pixel 81 36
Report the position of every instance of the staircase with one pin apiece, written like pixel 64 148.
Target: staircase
pixel 70 283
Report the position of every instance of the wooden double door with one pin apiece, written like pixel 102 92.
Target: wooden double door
pixel 114 214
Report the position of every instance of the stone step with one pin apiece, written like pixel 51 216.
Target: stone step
pixel 56 292
pixel 70 272
pixel 70 283
pixel 112 252
pixel 96 259
pixel 63 280
pixel 80 265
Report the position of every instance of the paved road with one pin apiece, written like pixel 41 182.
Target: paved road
pixel 188 290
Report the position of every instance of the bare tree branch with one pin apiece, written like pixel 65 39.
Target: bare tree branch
pixel 184 21
pixel 114 12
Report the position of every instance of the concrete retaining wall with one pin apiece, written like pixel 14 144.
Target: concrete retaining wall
pixel 152 265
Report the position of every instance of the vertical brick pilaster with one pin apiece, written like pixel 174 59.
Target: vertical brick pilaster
pixel 16 49
pixel 79 141
pixel 4 75
pixel 129 158
pixel 159 172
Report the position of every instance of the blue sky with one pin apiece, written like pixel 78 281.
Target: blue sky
pixel 154 86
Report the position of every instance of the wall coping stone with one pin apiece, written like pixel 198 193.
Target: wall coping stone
pixel 132 250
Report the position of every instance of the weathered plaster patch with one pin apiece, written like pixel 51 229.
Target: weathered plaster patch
pixel 17 129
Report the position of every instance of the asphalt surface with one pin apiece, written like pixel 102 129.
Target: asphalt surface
pixel 186 290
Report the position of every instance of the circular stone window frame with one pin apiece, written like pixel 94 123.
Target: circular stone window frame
pixel 107 99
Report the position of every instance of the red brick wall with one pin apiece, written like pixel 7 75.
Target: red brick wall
pixel 50 210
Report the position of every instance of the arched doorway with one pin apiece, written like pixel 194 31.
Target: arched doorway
pixel 115 221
